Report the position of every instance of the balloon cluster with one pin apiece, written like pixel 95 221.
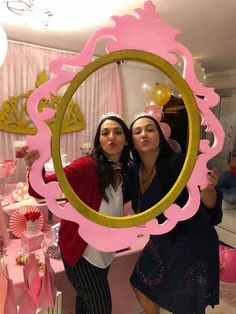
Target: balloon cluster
pixel 156 97
pixel 158 94
pixel 21 192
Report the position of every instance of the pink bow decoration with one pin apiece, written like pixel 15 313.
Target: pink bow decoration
pixel 47 297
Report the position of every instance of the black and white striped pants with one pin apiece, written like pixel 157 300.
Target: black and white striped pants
pixel 91 285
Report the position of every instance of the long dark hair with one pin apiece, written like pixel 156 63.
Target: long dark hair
pixel 168 162
pixel 104 166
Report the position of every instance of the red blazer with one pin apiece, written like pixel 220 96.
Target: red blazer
pixel 83 177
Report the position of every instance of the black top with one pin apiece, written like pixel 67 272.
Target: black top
pixel 178 270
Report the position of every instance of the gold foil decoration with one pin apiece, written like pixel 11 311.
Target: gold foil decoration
pixel 15 119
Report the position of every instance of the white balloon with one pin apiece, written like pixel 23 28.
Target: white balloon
pixel 146 87
pixel 3 45
pixel 174 91
pixel 179 66
pixel 199 71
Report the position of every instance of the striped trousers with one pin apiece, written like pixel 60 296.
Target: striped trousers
pixel 91 285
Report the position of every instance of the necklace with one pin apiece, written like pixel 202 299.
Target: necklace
pixel 145 180
pixel 146 177
pixel 140 198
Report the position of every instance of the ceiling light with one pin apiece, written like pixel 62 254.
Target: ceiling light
pixel 37 13
pixel 19 6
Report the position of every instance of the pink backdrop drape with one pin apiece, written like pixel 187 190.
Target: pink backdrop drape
pixel 101 92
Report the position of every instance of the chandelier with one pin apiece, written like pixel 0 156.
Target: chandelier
pixel 37 13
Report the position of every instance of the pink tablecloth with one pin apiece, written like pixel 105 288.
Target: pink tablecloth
pixel 16 273
pixel 122 296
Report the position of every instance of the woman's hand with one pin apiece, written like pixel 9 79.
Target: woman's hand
pixel 29 156
pixel 208 194
pixel 213 177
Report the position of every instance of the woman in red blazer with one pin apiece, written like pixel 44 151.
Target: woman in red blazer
pixel 98 180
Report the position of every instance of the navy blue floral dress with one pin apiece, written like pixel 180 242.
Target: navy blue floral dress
pixel 179 270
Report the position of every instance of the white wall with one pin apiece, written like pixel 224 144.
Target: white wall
pixel 223 81
pixel 133 74
pixel 225 85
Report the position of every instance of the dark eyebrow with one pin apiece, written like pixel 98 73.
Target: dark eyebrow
pixel 116 128
pixel 147 125
pixel 150 124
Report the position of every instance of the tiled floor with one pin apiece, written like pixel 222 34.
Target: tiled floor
pixel 225 307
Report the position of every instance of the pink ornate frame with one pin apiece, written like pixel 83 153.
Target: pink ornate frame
pixel 158 39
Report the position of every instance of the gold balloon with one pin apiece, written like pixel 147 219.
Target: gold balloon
pixel 161 94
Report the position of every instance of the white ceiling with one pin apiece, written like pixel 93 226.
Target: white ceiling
pixel 208 27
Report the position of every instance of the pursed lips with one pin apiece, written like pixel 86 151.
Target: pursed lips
pixel 144 142
pixel 112 145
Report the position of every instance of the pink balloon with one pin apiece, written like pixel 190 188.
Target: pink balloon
pixel 154 111
pixel 151 102
pixel 165 129
pixel 228 265
pixel 174 145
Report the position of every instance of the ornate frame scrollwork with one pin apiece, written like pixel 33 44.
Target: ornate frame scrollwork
pixel 155 45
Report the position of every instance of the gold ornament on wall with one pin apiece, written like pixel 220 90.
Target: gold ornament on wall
pixel 14 117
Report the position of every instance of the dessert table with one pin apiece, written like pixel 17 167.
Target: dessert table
pixel 15 272
pixel 123 298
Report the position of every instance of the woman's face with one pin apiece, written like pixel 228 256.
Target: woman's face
pixel 145 136
pixel 112 139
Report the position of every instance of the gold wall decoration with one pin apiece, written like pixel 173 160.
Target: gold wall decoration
pixel 15 119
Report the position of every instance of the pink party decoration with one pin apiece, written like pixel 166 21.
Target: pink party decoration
pixel 165 129
pixel 17 222
pixel 3 287
pixel 228 265
pixel 2 169
pixel 20 193
pixel 40 291
pixel 30 297
pixel 3 229
pixel 174 145
pixel 10 167
pixel 48 291
pixel 7 296
pixel 154 111
pixel 32 241
pixel 154 36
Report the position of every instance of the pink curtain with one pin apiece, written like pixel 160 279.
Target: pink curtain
pixel 101 92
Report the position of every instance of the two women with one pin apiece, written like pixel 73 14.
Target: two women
pixel 98 180
pixel 178 271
